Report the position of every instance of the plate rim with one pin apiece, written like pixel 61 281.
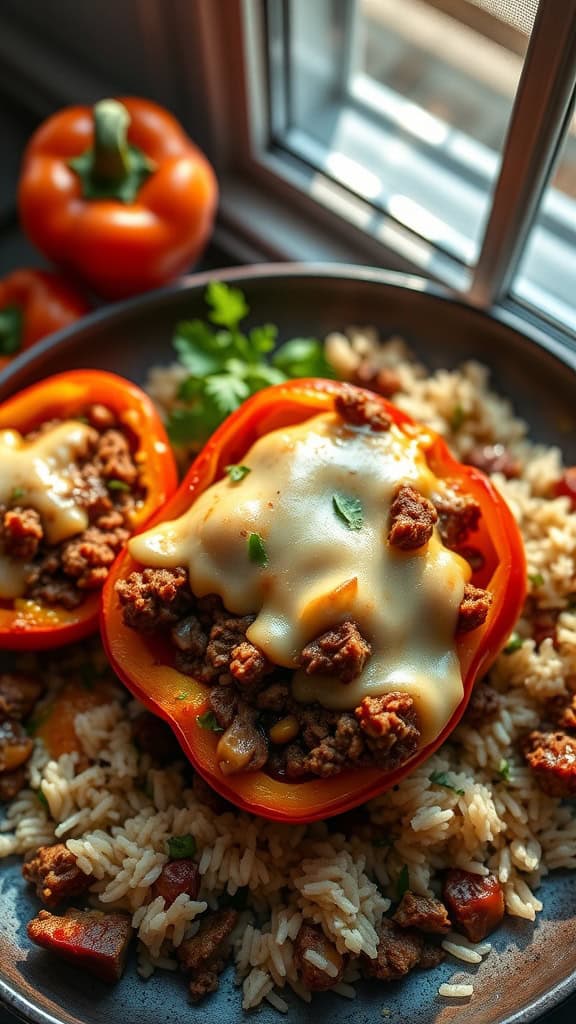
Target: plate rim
pixel 11 999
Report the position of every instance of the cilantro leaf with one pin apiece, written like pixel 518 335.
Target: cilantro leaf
pixel 504 769
pixel 228 305
pixel 209 721
pixel 181 846
pixel 183 695
pixel 514 643
pixel 536 579
pixel 118 485
pixel 226 391
pixel 442 779
pixel 302 357
pixel 403 883
pixel 457 418
pixel 262 339
pixel 257 551
pixel 41 796
pixel 349 510
pixel 197 347
pixel 237 473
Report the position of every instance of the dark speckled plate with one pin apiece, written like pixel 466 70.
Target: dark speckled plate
pixel 531 972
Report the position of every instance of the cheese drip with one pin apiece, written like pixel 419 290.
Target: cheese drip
pixel 41 474
pixel 320 572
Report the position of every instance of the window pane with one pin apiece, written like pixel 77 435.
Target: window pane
pixel 407 104
pixel 546 274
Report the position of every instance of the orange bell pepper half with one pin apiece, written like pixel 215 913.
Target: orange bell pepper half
pixel 143 663
pixel 118 194
pixel 27 625
pixel 34 303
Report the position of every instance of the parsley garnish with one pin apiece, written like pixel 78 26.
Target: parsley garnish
pixel 403 883
pixel 209 721
pixel 257 551
pixel 42 799
pixel 226 365
pixel 117 485
pixel 349 510
pixel 181 846
pixel 17 494
pixel 183 696
pixel 457 418
pixel 514 643
pixel 237 473
pixel 536 579
pixel 441 779
pixel 504 769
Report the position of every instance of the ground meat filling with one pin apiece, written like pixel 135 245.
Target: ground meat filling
pixel 204 956
pixel 55 874
pixel 359 410
pixel 107 486
pixel 340 652
pixel 552 758
pixel 412 519
pixel 473 609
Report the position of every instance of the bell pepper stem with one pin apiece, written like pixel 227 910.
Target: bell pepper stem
pixel 110 158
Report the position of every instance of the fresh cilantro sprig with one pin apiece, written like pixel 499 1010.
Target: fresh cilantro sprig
pixel 227 364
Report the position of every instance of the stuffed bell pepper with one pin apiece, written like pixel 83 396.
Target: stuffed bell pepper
pixel 311 609
pixel 85 462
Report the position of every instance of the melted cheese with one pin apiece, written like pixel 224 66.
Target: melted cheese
pixel 319 571
pixel 41 474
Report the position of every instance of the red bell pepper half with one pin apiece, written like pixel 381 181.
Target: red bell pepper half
pixel 26 625
pixel 142 663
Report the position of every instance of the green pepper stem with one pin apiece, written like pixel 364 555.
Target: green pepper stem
pixel 110 158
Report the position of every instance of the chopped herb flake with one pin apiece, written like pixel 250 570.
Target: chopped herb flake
pixel 181 846
pixel 536 579
pixel 237 473
pixel 514 643
pixel 504 770
pixel 117 485
pixel 403 883
pixel 42 799
pixel 209 721
pixel 349 510
pixel 257 551
pixel 17 494
pixel 457 418
pixel 183 696
pixel 442 779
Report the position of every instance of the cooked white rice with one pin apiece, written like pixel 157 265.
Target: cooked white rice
pixel 116 813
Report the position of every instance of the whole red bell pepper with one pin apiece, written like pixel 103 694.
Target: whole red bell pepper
pixel 27 625
pixel 142 665
pixel 118 194
pixel 34 303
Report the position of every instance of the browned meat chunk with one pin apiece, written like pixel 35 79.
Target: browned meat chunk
pixel 399 951
pixel 475 903
pixel 474 608
pixel 552 758
pixel 458 516
pixel 21 533
pixel 390 726
pixel 494 458
pixel 88 558
pixel 177 877
pixel 562 710
pixel 154 737
pixel 345 748
pixel 227 633
pixel 154 598
pixel 412 519
pixel 431 956
pixel 223 701
pixel 18 694
pixel 248 665
pixel 275 697
pixel 292 762
pixel 100 417
pixel 425 913
pixel 311 939
pixel 93 941
pixel 45 590
pixel 204 956
pixel 56 875
pixel 188 636
pixel 242 748
pixel 385 382
pixel 340 652
pixel 11 783
pixel 484 706
pixel 361 410
pixel 114 458
pixel 15 746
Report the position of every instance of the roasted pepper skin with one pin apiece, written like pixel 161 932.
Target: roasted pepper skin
pixel 117 247
pixel 28 627
pixel 138 662
pixel 45 301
